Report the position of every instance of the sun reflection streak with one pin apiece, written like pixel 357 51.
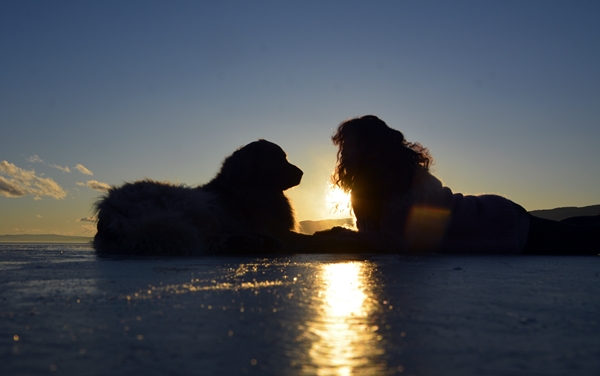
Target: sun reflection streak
pixel 344 293
pixel 344 340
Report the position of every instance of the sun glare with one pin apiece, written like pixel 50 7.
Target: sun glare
pixel 345 341
pixel 338 201
pixel 345 291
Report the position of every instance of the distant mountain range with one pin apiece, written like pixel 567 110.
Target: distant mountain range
pixel 44 238
pixel 566 212
pixel 306 227
pixel 310 227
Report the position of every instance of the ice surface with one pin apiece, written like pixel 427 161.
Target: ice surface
pixel 63 310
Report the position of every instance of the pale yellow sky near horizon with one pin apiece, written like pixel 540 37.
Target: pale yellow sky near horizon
pixel 504 94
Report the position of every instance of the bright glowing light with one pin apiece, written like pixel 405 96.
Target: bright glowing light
pixel 338 202
pixel 345 342
pixel 344 295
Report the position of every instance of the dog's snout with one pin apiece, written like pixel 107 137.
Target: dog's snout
pixel 299 173
pixel 294 176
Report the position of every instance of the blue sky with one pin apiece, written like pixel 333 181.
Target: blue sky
pixel 505 94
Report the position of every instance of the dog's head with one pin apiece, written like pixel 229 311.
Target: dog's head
pixel 260 165
pixel 372 154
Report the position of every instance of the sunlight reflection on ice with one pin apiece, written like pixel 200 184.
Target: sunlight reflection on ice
pixel 344 339
pixel 197 285
pixel 153 292
pixel 337 305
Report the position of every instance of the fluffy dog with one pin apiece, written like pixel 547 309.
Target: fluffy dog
pixel 243 210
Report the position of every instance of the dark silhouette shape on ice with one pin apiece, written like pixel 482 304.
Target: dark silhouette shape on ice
pixel 401 207
pixel 243 210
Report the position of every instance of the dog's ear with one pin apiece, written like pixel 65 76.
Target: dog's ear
pixel 250 166
pixel 236 168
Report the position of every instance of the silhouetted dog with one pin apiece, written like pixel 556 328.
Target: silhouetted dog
pixel 243 210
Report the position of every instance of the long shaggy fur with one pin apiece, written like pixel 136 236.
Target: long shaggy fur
pixel 242 210
pixel 401 207
pixel 374 164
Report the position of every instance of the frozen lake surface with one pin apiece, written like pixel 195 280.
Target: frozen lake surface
pixel 65 311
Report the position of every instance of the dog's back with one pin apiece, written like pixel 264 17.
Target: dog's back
pixel 148 217
pixel 243 210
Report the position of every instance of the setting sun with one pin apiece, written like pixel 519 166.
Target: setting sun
pixel 338 202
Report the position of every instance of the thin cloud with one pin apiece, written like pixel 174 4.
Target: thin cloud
pixel 79 167
pixel 35 159
pixel 15 172
pixel 10 188
pixel 20 183
pixel 89 229
pixel 63 169
pixel 95 185
pixel 17 230
pixel 83 170
pixel 87 219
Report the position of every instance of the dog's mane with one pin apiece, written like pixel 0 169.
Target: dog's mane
pixel 381 158
pixel 241 185
pixel 375 163
pixel 232 172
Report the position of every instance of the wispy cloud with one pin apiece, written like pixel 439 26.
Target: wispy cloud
pixel 87 219
pixel 10 188
pixel 95 185
pixel 79 167
pixel 83 170
pixel 89 229
pixel 35 159
pixel 17 230
pixel 63 169
pixel 20 183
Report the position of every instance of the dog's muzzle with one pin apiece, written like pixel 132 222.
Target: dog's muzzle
pixel 294 176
